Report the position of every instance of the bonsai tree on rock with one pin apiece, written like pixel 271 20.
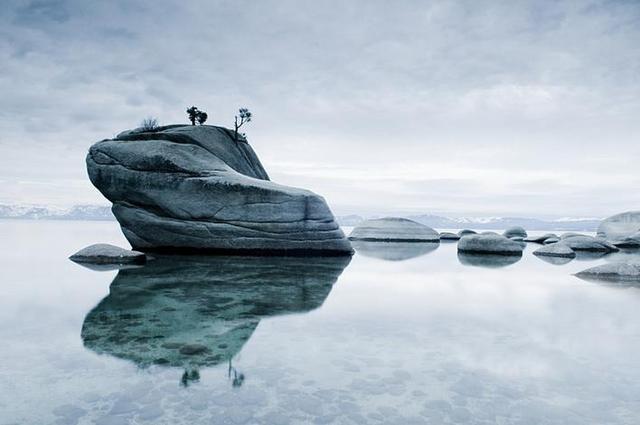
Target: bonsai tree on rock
pixel 149 124
pixel 245 116
pixel 192 113
pixel 201 117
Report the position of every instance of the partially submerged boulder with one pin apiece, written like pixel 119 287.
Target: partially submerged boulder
pixel 515 231
pixel 464 232
pixel 550 240
pixel 588 243
pixel 558 249
pixel 615 272
pixel 490 261
pixel 489 244
pixel 198 188
pixel 540 238
pixel 620 226
pixel 448 236
pixel 393 229
pixel 103 253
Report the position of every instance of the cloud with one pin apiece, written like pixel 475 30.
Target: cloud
pixel 367 97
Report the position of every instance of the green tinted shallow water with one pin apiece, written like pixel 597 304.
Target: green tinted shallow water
pixel 384 338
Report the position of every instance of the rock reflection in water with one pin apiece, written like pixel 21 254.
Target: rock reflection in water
pixel 487 260
pixel 192 312
pixel 556 261
pixel 393 251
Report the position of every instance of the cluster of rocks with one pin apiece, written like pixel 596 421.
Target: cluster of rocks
pixel 201 189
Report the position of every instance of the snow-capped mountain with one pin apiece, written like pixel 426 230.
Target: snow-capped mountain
pixel 40 212
pixel 494 223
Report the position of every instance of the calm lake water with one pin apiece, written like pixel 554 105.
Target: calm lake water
pixel 382 339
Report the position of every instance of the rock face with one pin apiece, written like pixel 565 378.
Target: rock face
pixel 622 272
pixel 195 188
pixel 558 249
pixel 620 226
pixel 515 231
pixel 588 243
pixel 489 244
pixel 103 253
pixel 393 229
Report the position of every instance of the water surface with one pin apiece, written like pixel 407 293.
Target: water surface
pixel 403 335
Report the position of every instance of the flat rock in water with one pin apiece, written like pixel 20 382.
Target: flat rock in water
pixel 393 229
pixel 103 253
pixel 558 249
pixel 515 231
pixel 551 240
pixel 620 226
pixel 198 188
pixel 448 236
pixel 588 243
pixel 620 271
pixel 540 239
pixel 489 244
pixel 463 232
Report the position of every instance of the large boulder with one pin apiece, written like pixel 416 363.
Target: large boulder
pixel 489 243
pixel 197 188
pixel 620 226
pixel 393 229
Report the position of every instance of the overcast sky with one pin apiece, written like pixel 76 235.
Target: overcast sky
pixel 527 108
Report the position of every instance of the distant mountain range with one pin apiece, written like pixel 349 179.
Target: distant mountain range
pixel 39 212
pixel 493 223
pixel 101 212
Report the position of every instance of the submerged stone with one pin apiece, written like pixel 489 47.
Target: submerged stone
pixel 541 238
pixel 588 243
pixel 489 244
pixel 393 229
pixel 619 271
pixel 558 249
pixel 491 261
pixel 106 254
pixel 515 231
pixel 448 236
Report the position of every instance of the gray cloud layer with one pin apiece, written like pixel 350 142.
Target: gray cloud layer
pixel 523 107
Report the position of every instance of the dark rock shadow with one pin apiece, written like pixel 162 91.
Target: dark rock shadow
pixel 193 312
pixel 393 251
pixel 492 261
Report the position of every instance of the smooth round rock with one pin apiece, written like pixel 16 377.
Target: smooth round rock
pixel 515 231
pixel 103 253
pixel 489 244
pixel 463 232
pixel 448 236
pixel 558 249
pixel 393 229
pixel 620 226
